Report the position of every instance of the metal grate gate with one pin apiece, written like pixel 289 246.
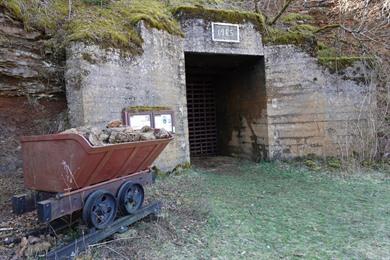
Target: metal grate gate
pixel 202 118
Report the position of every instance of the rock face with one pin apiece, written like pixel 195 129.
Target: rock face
pixel 19 116
pixel 25 67
pixel 31 90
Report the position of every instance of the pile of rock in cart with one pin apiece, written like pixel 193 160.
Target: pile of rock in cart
pixel 115 133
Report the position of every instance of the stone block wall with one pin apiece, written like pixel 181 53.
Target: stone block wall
pixel 100 83
pixel 310 110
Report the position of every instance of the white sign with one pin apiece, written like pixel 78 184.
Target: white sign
pixel 139 121
pixel 225 32
pixel 163 121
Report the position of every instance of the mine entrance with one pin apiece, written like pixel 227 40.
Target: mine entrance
pixel 219 88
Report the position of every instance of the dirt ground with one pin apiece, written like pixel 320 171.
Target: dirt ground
pixel 11 226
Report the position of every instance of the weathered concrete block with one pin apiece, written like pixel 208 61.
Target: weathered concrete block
pixel 309 104
pixel 112 82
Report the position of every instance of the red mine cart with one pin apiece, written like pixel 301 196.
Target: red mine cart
pixel 68 175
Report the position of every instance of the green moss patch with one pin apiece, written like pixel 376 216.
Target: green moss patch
pixel 338 63
pixel 154 13
pixel 218 15
pixel 292 18
pixel 334 61
pixel 114 23
pixel 145 108
pixel 305 28
pixel 109 25
pixel 278 36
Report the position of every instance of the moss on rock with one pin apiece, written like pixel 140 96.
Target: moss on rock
pixel 305 28
pixel 114 24
pixel 292 18
pixel 110 25
pixel 145 108
pixel 338 63
pixel 334 61
pixel 219 15
pixel 278 36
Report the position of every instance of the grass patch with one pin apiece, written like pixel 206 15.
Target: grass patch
pixel 13 6
pixel 263 211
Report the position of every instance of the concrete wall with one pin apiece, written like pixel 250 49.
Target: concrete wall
pixel 242 104
pixel 310 111
pixel 241 94
pixel 198 38
pixel 101 83
pixel 303 109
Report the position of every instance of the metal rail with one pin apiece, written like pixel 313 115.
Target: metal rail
pixel 69 251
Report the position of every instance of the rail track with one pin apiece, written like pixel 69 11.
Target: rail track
pixel 88 237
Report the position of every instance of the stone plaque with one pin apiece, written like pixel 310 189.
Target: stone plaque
pixel 225 32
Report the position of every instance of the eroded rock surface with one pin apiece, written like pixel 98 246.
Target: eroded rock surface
pixel 26 66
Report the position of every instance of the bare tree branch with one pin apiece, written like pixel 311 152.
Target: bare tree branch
pixel 273 21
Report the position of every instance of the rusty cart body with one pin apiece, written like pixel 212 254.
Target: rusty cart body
pixel 69 175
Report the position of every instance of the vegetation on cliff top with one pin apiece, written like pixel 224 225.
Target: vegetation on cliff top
pixel 114 23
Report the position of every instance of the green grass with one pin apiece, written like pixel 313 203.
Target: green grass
pixel 266 211
pixel 275 213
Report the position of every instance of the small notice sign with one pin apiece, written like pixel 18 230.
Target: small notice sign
pixel 225 32
pixel 163 121
pixel 139 121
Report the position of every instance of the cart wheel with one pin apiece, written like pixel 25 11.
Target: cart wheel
pixel 131 197
pixel 100 209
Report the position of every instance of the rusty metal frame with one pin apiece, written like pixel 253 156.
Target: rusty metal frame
pixel 66 203
pixel 202 116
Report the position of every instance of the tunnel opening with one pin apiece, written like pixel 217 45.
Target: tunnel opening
pixel 226 105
